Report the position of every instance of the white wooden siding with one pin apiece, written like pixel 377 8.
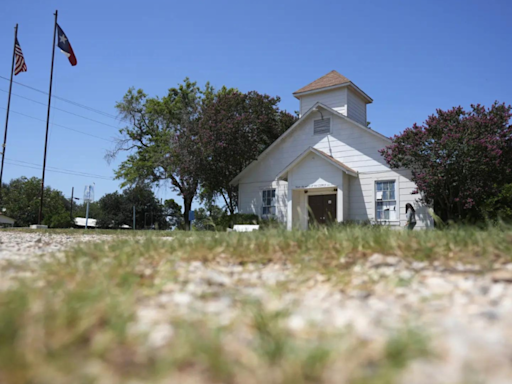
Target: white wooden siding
pixel 250 197
pixel 336 99
pixel 348 143
pixel 362 197
pixel 314 172
pixel 356 107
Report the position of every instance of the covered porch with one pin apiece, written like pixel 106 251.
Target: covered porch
pixel 318 189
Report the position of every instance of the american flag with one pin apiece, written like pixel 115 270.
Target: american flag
pixel 20 60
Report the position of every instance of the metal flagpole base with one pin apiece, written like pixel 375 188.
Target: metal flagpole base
pixel 38 226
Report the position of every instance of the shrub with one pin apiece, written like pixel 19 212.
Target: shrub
pixel 61 220
pixel 499 206
pixel 227 221
pixel 271 223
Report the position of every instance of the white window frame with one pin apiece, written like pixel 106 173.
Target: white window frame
pixel 396 220
pixel 265 202
pixel 323 133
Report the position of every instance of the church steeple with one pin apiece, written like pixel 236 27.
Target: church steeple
pixel 337 92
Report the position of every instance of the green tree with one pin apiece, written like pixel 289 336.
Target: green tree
pixel 116 209
pixel 173 215
pixel 21 198
pixel 112 213
pixel 499 206
pixel 207 218
pixel 80 210
pixel 234 130
pixel 161 138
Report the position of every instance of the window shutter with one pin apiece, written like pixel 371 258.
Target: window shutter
pixel 322 126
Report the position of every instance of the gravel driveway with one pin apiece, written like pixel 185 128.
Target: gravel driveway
pixel 466 314
pixel 26 246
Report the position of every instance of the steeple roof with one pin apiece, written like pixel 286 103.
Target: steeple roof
pixel 331 79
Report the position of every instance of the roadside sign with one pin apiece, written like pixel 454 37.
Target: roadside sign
pixel 89 193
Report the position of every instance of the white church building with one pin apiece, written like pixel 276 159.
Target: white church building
pixel 327 166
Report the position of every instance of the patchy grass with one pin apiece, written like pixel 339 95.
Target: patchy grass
pixel 404 346
pixel 90 231
pixel 323 248
pixel 469 244
pixel 72 321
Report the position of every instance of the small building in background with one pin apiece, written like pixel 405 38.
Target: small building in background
pixel 6 221
pixel 80 222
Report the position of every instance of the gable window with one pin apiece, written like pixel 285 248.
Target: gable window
pixel 385 200
pixel 322 126
pixel 269 202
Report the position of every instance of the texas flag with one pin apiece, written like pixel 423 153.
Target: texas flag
pixel 63 44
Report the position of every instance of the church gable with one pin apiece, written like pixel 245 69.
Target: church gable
pixel 314 171
pixel 327 131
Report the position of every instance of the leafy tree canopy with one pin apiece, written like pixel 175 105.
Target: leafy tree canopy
pixel 116 209
pixel 235 128
pixel 21 198
pixel 172 212
pixel 458 158
pixel 161 139
pixel 80 210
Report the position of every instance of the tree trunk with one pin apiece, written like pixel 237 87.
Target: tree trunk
pixel 187 202
pixel 229 203
pixel 233 199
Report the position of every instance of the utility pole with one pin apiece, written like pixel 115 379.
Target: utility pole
pixel 71 211
pixel 87 214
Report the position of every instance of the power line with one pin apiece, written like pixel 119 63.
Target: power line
pixel 60 169
pixel 61 126
pixel 57 170
pixel 64 99
pixel 63 110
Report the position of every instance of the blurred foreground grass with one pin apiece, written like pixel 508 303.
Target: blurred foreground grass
pixel 71 320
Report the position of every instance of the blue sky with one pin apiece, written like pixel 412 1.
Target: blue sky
pixel 411 57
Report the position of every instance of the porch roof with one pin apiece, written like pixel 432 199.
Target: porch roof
pixel 283 175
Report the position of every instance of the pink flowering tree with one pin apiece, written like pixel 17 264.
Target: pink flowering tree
pixel 459 159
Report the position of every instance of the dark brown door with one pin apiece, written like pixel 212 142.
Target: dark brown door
pixel 322 209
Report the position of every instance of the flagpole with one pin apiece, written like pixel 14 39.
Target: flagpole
pixel 8 107
pixel 47 120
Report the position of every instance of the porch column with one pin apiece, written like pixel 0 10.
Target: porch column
pixel 289 209
pixel 304 210
pixel 339 204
